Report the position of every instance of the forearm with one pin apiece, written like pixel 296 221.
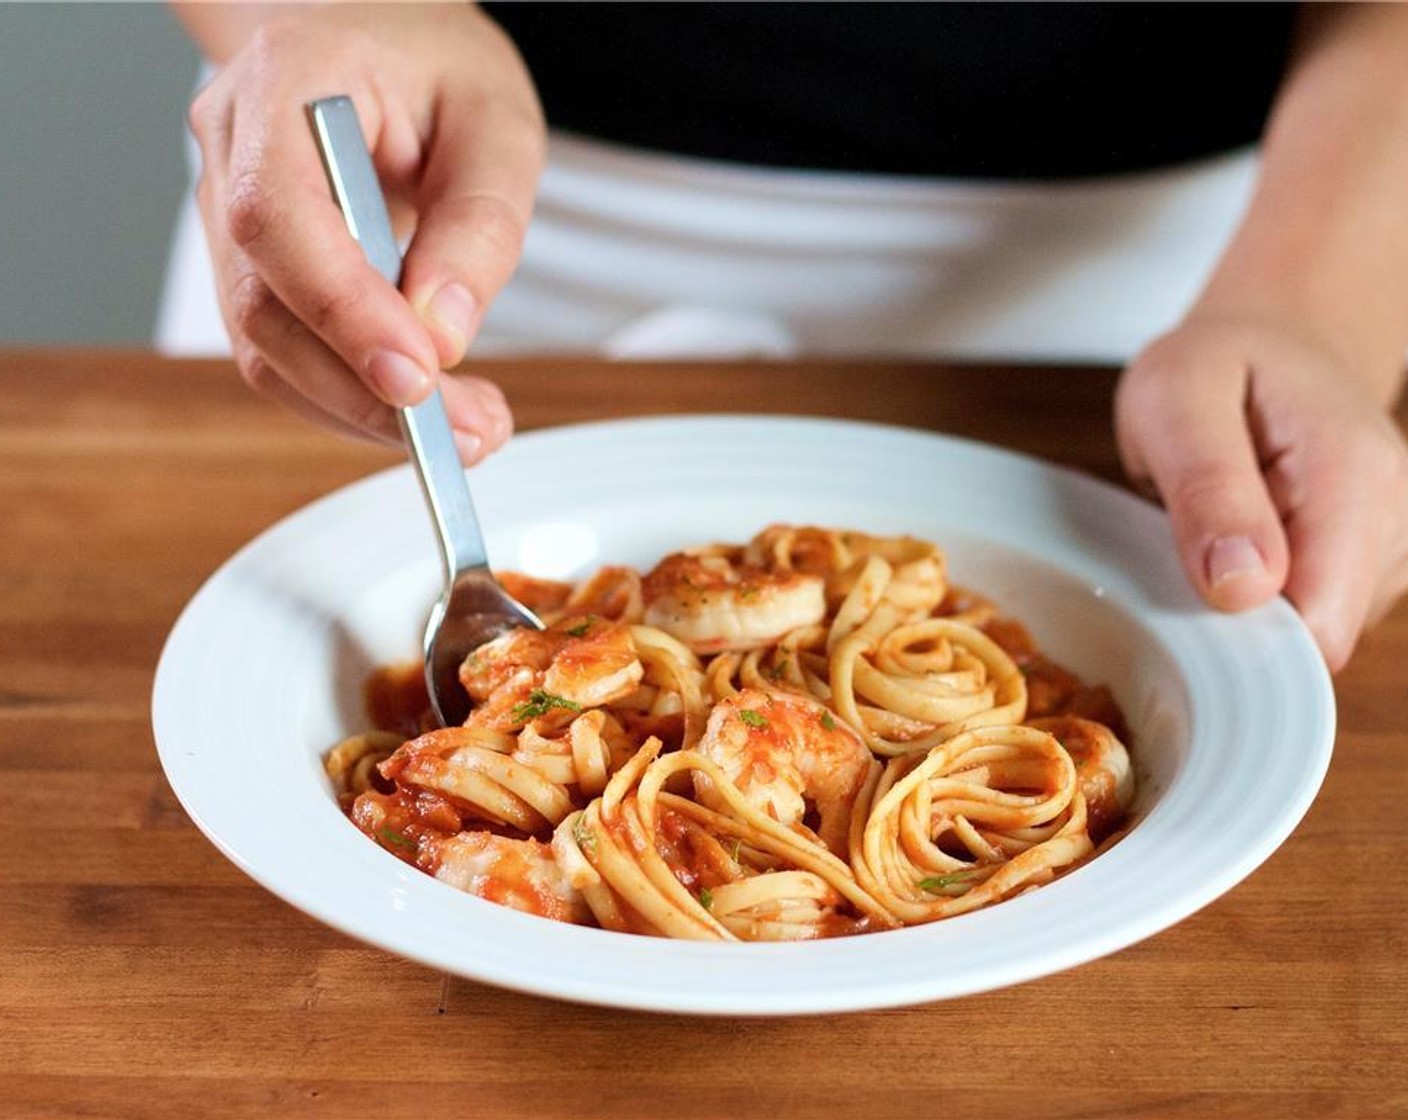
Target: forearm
pixel 1324 243
pixel 221 29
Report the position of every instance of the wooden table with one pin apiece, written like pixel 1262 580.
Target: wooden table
pixel 144 976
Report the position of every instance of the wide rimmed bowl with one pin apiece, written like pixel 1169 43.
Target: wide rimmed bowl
pixel 1232 717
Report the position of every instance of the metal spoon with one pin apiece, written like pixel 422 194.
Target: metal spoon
pixel 473 608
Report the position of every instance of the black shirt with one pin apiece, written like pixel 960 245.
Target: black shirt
pixel 982 89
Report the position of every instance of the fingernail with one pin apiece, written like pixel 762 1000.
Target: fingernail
pixel 400 380
pixel 1231 559
pixel 469 446
pixel 452 309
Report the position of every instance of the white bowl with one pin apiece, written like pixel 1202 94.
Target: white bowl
pixel 1232 718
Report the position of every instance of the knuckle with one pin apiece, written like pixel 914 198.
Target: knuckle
pixel 249 212
pixel 1143 389
pixel 201 115
pixel 1134 399
pixel 252 305
pixel 1159 358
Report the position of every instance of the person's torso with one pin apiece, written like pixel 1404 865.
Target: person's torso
pixel 998 91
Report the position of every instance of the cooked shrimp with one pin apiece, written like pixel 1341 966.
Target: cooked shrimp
pixel 1102 766
pixel 712 603
pixel 783 750
pixel 525 674
pixel 514 658
pixel 519 873
pixel 595 665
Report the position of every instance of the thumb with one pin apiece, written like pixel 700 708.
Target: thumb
pixel 475 198
pixel 1185 429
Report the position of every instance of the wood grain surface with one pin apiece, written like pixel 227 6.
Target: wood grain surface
pixel 143 976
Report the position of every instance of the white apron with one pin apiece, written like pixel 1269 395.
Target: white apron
pixel 643 255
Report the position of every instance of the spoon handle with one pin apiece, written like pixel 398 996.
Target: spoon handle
pixel 425 426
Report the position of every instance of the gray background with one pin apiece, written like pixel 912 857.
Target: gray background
pixel 92 120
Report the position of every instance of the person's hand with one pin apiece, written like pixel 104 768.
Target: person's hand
pixel 1279 471
pixel 457 137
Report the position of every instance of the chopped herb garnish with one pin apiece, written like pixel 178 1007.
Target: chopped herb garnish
pixel 942 882
pixel 827 722
pixel 539 703
pixel 752 718
pixel 581 628
pixel 391 836
pixel 747 591
pixel 706 898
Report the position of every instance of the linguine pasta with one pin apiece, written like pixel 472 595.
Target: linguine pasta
pixel 809 735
